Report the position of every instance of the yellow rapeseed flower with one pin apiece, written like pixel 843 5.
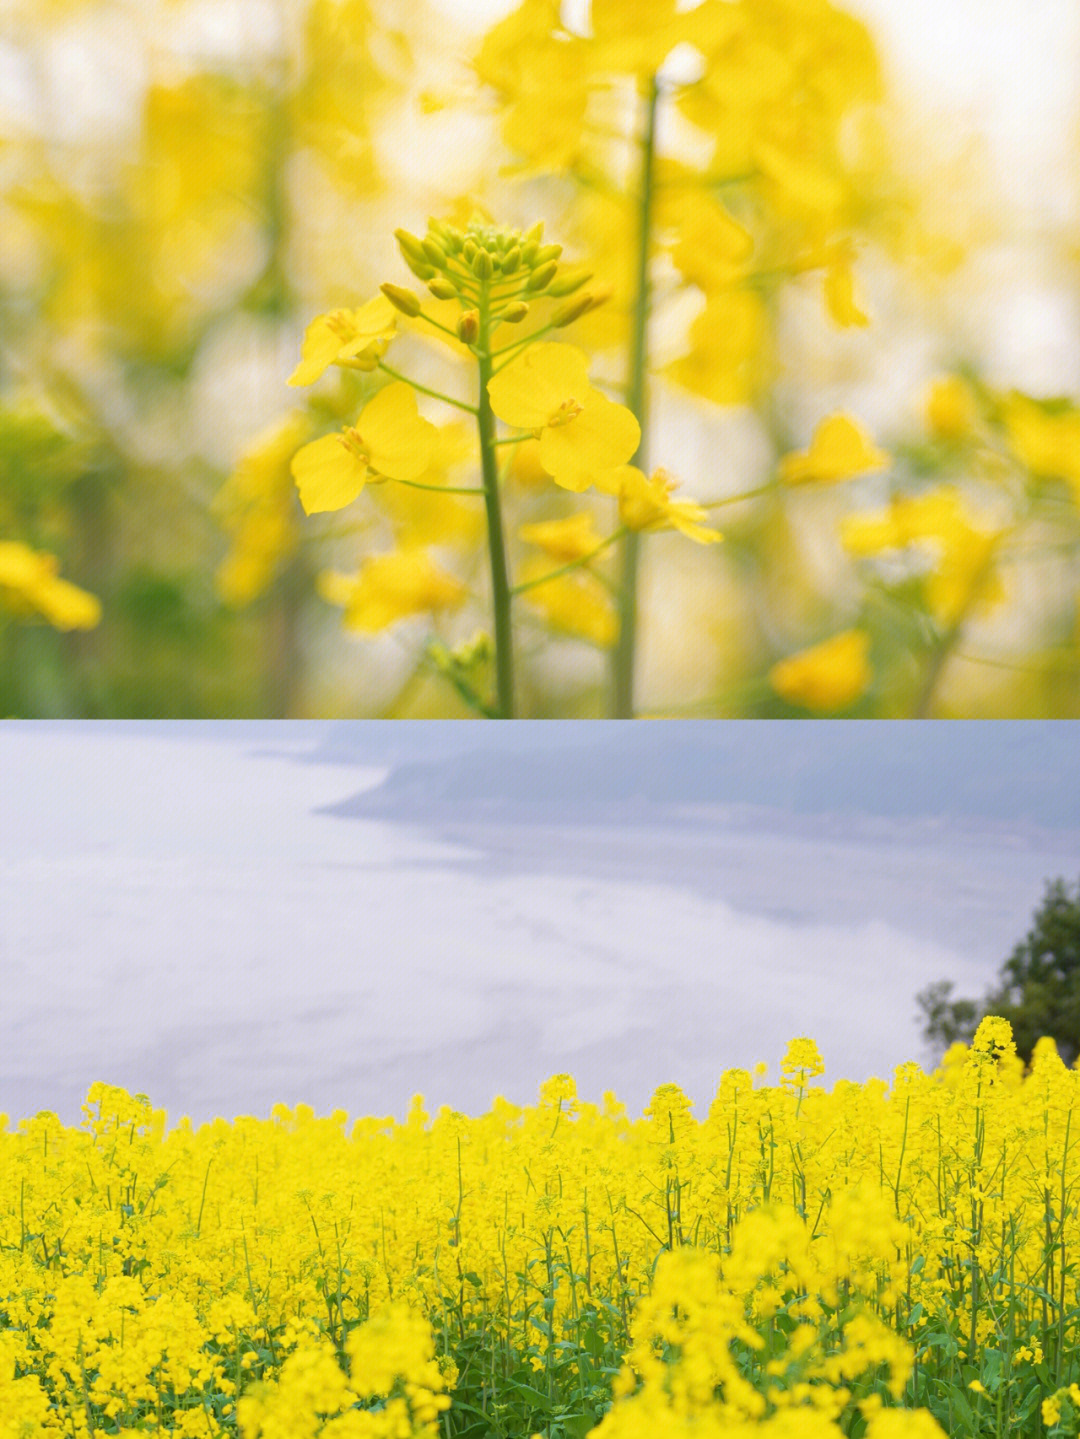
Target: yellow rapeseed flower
pixel 950 407
pixel 645 503
pixel 389 588
pixel 571 538
pixel 839 450
pixel 1045 438
pixel 357 338
pixel 30 584
pixel 575 604
pixel 827 676
pixel 389 441
pixel 546 390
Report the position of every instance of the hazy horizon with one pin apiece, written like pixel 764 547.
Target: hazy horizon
pixel 179 914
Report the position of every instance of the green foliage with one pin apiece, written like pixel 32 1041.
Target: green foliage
pixel 1038 988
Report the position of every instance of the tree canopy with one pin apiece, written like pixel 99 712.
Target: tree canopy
pixel 1038 989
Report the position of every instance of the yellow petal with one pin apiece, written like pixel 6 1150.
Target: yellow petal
pixel 840 294
pixel 828 676
pixel 568 539
pixel 329 474
pixel 602 435
pixel 950 407
pixel 400 444
pixel 574 604
pixel 344 334
pixel 390 588
pixel 531 389
pixel 838 451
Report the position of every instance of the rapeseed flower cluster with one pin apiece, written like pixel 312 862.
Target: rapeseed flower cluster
pixel 797 1261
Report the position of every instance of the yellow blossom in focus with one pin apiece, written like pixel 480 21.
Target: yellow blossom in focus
pixel 389 588
pixel 581 432
pixel 839 450
pixel 827 676
pixel 30 584
pixel 390 441
pixel 645 503
pixel 357 338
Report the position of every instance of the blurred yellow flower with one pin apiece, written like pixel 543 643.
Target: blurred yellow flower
pixel 575 604
pixel 727 351
pixel 963 573
pixel 840 298
pixel 950 407
pixel 839 450
pixel 256 506
pixel 1045 438
pixel 568 539
pixel 645 503
pixel 389 588
pixel 391 440
pixel 355 337
pixel 29 584
pixel 581 431
pixel 827 676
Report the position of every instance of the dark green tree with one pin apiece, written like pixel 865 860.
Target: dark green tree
pixel 1038 989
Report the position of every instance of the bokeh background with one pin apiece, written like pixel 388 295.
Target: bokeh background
pixel 185 185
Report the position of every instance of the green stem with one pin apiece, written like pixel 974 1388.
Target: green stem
pixel 623 654
pixel 500 584
pixel 570 565
pixel 442 489
pixel 435 394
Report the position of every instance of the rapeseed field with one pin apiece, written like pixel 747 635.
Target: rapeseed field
pixel 889 1261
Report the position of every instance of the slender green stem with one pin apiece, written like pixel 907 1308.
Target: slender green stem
pixel 745 495
pixel 517 345
pixel 570 565
pixel 442 489
pixel 500 584
pixel 435 394
pixel 626 644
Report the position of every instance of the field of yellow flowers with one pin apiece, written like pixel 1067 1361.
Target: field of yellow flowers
pixel 889 1262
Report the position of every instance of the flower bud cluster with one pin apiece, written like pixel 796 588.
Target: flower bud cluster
pixel 490 270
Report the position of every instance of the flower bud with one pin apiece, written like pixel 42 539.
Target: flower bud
pixel 535 235
pixel 574 310
pixel 546 253
pixel 413 254
pixel 482 267
pixel 468 327
pixel 572 278
pixel 542 278
pixel 528 252
pixel 511 260
pixel 515 312
pixel 403 300
pixel 468 251
pixel 434 252
pixel 442 288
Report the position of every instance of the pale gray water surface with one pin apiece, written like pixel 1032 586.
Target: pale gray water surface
pixel 178 918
